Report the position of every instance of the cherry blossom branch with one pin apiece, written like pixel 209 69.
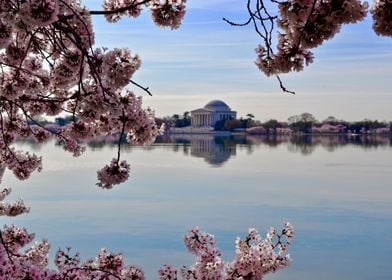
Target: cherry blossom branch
pixel 120 9
pixel 5 143
pixel 304 25
pixel 256 18
pixel 237 24
pixel 120 138
pixel 5 247
pixel 90 269
pixel 146 89
pixel 284 89
pixel 254 258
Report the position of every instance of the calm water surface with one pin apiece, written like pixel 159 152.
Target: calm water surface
pixel 336 191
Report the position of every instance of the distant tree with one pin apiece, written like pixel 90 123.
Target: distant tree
pixel 370 124
pixel 355 127
pixel 183 121
pixel 186 118
pixel 232 124
pixel 219 125
pixel 307 117
pixel 250 118
pixel 331 120
pixel 271 124
pixel 366 126
pixel 166 121
pixel 249 121
pixel 302 123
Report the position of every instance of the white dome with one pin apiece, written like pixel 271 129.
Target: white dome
pixel 217 105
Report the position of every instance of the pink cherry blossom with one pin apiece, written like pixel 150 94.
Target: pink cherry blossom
pixel 113 174
pixel 254 258
pixel 167 272
pixel 168 12
pixel 39 12
pixel 382 17
pixel 303 25
pixel 50 67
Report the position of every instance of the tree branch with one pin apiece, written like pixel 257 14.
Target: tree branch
pixel 120 10
pixel 284 89
pixel 146 89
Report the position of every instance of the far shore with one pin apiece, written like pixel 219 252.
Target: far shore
pixel 189 130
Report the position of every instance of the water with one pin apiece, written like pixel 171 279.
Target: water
pixel 336 191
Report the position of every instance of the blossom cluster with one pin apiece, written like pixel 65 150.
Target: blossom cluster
pixel 32 263
pixel 11 209
pixel 131 8
pixel 254 258
pixel 49 66
pixel 304 25
pixel 113 174
pixel 382 17
pixel 168 13
pixel 164 13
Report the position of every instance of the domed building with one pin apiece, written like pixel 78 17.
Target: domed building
pixel 215 110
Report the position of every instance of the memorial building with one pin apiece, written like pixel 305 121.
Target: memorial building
pixel 214 111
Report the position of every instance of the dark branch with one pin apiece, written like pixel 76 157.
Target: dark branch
pixel 146 89
pixel 263 23
pixel 5 247
pixel 120 10
pixel 284 89
pixel 237 24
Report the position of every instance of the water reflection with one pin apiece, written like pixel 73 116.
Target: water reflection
pixel 216 150
pixel 306 144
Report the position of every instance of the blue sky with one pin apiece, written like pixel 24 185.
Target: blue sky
pixel 207 59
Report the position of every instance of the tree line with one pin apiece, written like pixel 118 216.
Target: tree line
pixel 304 123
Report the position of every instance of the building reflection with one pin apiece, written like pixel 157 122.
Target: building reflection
pixel 214 150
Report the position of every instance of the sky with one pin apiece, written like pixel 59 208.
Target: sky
pixel 207 59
